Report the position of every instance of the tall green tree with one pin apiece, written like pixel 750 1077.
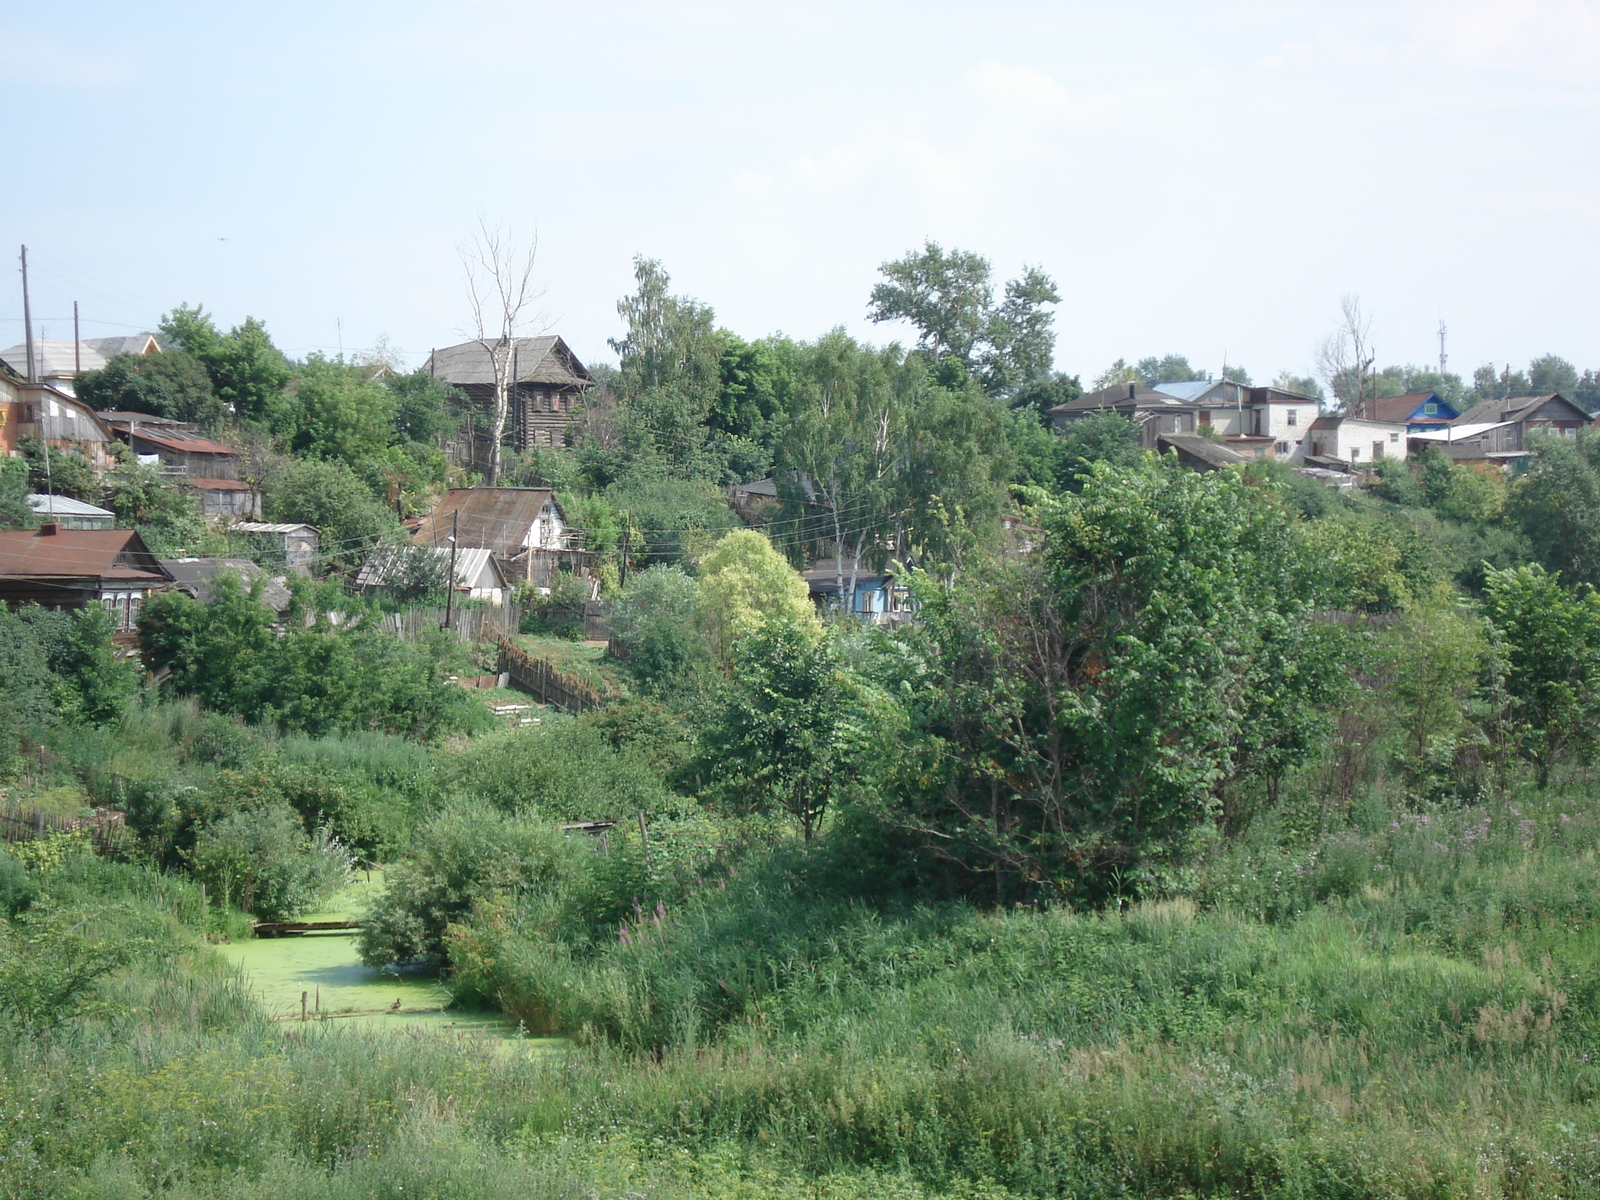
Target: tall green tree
pixel 342 413
pixel 173 384
pixel 330 496
pixel 1088 706
pixel 1557 505
pixel 14 510
pixel 949 298
pixel 1552 373
pixel 248 373
pixel 841 459
pixel 744 583
pixel 1549 640
pixel 669 377
pixel 424 407
pixel 779 740
pixel 1170 368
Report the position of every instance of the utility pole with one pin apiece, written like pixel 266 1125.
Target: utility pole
pixel 450 584
pixel 622 580
pixel 77 347
pixel 27 320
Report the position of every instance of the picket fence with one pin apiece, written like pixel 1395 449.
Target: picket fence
pixel 548 683
pixel 19 823
pixel 468 624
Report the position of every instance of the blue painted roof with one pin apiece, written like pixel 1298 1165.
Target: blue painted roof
pixel 1188 389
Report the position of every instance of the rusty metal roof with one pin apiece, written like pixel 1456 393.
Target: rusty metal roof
pixel 497 519
pixel 187 442
pixel 78 554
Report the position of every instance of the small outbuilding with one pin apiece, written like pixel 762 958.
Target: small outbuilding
pixel 478 574
pixel 70 513
pixel 297 543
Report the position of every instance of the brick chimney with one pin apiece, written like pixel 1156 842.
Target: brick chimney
pixel 50 529
pixel 1132 387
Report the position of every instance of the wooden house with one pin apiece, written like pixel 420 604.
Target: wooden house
pixel 67 568
pixel 524 527
pixel 873 596
pixel 478 573
pixel 1153 412
pixel 197 577
pixel 40 410
pixel 207 467
pixel 547 389
pixel 1418 412
pixel 1550 413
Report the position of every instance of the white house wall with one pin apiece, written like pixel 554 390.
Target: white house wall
pixel 1354 441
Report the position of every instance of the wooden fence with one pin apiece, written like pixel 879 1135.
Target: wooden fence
pixel 19 823
pixel 545 681
pixel 468 624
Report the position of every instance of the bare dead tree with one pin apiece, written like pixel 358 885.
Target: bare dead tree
pixel 1345 358
pixel 500 290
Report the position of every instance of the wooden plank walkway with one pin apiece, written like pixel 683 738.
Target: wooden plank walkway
pixel 269 929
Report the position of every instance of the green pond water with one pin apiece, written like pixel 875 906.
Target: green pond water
pixel 327 967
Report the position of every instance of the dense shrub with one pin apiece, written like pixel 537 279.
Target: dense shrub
pixel 263 860
pixel 563 771
pixel 465 854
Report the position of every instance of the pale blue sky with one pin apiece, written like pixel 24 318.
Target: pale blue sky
pixel 1199 178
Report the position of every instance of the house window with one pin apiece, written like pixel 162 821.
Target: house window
pixel 1394 439
pixel 1283 447
pixel 1430 409
pixel 1377 449
pixel 1177 424
pixel 1294 417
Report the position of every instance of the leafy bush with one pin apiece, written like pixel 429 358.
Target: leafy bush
pixel 464 855
pixel 314 679
pixel 562 771
pixel 653 631
pixel 17 888
pixel 560 611
pixel 263 861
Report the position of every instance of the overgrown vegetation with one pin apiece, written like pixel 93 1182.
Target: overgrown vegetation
pixel 1238 839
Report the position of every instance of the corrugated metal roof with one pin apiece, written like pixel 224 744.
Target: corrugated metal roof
pixel 118 417
pixel 498 519
pixel 186 443
pixel 271 527
pixel 1188 389
pixel 1458 431
pixel 1513 408
pixel 475 568
pixel 62 506
pixel 1118 396
pixel 538 360
pixel 1202 448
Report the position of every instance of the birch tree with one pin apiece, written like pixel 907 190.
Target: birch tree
pixel 1345 358
pixel 500 290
